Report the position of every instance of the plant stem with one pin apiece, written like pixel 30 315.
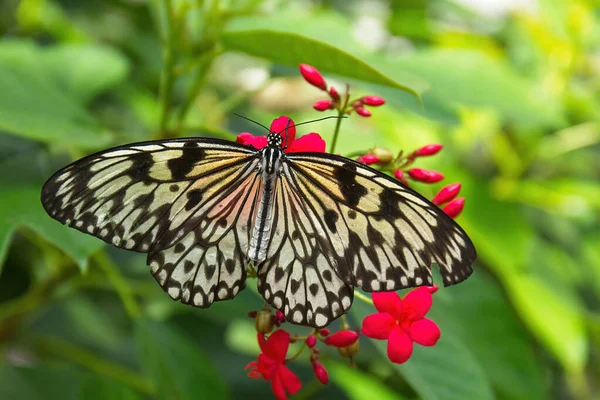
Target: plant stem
pixel 341 113
pixel 116 279
pixel 167 77
pixel 362 297
pixel 93 362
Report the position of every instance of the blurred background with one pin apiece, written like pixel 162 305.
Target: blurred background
pixel 510 87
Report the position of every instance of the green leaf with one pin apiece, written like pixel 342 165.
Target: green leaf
pixel 359 385
pixel 39 383
pixel 32 107
pixel 83 71
pixel 487 325
pixel 477 80
pixel 97 388
pixel 446 371
pixel 178 368
pixel 301 49
pixel 558 324
pixel 21 206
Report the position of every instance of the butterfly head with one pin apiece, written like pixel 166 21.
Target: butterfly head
pixel 274 140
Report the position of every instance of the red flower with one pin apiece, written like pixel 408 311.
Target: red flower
pixel 271 364
pixel 322 105
pixel 402 322
pixel 311 142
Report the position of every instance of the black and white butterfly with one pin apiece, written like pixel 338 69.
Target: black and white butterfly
pixel 315 225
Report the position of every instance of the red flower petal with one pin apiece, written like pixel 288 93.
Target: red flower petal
pixel 277 345
pixel 248 139
pixel 378 326
pixel 286 127
pixel 291 383
pixel 417 302
pixel 277 386
pixel 425 332
pixel 400 346
pixel 343 338
pixel 266 366
pixel 388 302
pixel 311 142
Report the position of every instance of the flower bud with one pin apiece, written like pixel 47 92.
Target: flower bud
pixel 349 351
pixel 322 105
pixel 372 100
pixel 368 159
pixel 264 322
pixel 446 194
pixel 455 207
pixel 432 289
pixel 334 94
pixel 279 316
pixel 385 156
pixel 311 341
pixel 320 372
pixel 313 76
pixel 343 338
pixel 324 332
pixel 424 175
pixel 363 112
pixel 428 150
pixel 252 314
pixel 399 174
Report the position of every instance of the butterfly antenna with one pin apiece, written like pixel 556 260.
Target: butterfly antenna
pixel 251 120
pixel 315 120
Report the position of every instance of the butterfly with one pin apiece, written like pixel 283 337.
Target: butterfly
pixel 314 225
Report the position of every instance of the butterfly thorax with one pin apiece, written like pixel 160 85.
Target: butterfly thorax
pixel 270 165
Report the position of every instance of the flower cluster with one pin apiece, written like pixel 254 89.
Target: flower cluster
pixel 343 104
pixel 400 321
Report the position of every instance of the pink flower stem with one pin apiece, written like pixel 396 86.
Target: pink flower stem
pixel 362 297
pixel 341 113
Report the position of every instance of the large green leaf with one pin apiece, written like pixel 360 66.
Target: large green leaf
pixel 32 107
pixel 460 77
pixel 478 312
pixel 21 206
pixel 95 387
pixel 359 385
pixel 178 368
pixel 327 58
pixel 83 71
pixel 39 383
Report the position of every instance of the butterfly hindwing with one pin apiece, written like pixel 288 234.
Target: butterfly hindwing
pixel 209 263
pixel 298 277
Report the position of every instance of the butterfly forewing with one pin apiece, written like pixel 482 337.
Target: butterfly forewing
pixel 145 195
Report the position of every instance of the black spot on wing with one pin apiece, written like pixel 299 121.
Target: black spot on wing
pixel 331 218
pixel 351 190
pixel 180 167
pixel 389 201
pixel 193 198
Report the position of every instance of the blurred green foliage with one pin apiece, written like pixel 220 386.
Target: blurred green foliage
pixel 513 96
